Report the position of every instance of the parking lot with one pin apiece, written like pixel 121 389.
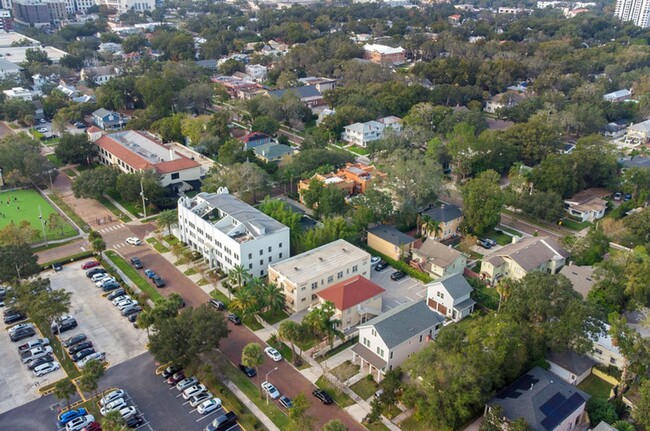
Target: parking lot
pixel 100 320
pixel 398 292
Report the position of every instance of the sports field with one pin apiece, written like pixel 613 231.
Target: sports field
pixel 22 205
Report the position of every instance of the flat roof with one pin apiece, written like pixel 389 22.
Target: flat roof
pixel 324 259
pixel 16 54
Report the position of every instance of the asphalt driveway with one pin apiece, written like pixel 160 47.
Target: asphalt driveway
pixel 398 292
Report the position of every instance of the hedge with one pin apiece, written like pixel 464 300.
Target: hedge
pixel 68 259
pixel 402 266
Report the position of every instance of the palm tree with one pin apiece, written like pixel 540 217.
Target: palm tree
pixel 290 331
pixel 272 298
pixel 64 390
pixel 252 357
pixel 238 276
pixel 98 246
pixel 244 302
pixel 430 226
pixel 167 220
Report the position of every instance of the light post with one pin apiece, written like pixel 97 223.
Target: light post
pixel 40 216
pixel 267 380
pixel 144 204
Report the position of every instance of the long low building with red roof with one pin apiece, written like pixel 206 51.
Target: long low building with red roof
pixel 135 151
pixel 356 299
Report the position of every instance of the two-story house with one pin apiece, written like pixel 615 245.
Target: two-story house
pixel 438 260
pixel 361 134
pixel 99 75
pixel 390 242
pixel 448 216
pixel 526 255
pixel 303 276
pixel 451 297
pixel 356 300
pixel 386 341
pixel 544 401
pixel 228 232
pixel 255 139
pixel 107 120
pixel 605 352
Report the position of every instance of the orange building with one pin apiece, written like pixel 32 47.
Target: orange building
pixel 354 178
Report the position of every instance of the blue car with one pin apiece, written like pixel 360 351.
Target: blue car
pixel 149 273
pixel 67 416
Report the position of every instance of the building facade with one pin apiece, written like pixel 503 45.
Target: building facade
pixel 356 300
pixel 636 11
pixel 382 54
pixel 451 297
pixel 303 276
pixel 228 232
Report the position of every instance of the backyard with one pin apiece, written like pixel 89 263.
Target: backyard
pixel 28 204
pixel 596 387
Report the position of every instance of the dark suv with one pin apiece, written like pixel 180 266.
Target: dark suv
pixel 66 325
pixel 14 317
pixel 21 334
pixel 137 263
pixel 397 275
pixel 159 282
pixel 323 396
pixel 223 422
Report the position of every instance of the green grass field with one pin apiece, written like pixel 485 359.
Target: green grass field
pixel 25 207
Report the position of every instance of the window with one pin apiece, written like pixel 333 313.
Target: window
pixel 303 299
pixel 330 279
pixel 366 342
pixel 355 268
pixel 374 333
pixel 261 273
pixel 391 355
pixel 250 266
pixel 175 176
pixel 600 352
pixel 270 248
pixel 440 295
pixel 380 352
pixel 250 255
pixel 280 245
pixel 280 256
pixel 314 285
pixel 420 338
pixel 612 360
pixel 339 275
pixel 261 262
pixel 270 259
pixel 313 297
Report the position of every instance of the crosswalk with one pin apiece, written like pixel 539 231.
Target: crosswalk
pixel 111 228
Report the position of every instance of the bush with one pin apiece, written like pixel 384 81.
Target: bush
pixel 402 266
pixel 601 410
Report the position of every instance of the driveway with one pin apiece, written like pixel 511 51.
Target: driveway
pixel 398 292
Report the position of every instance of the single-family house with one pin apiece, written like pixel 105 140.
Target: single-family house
pixel 638 133
pixel 587 205
pixel 604 426
pixel 448 216
pixel 210 64
pixel 354 178
pixel 257 72
pixel 581 277
pixel 618 96
pixel 522 257
pixel 382 54
pixel 98 75
pixel 571 366
pixel 544 401
pixel 8 69
pixel 238 88
pixel 112 47
pixel 605 352
pixel 615 129
pixel 18 93
pixel 356 300
pixel 273 152
pixel 361 134
pixel 390 242
pixel 503 100
pixel 255 139
pixel 438 260
pixel 451 296
pixel 108 120
pixel 321 84
pixel 308 94
pixel 386 341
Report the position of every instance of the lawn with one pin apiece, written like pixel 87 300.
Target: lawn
pixel 596 387
pixel 572 224
pixel 61 355
pixel 274 317
pixel 190 271
pixel 500 237
pixel 308 343
pixel 412 424
pixel 55 160
pixel 217 294
pixel 365 388
pixel 358 150
pixel 69 172
pixel 134 276
pixel 377 426
pixel 28 204
pixel 345 371
pixel 69 212
pixel 157 245
pixel 112 208
pixel 340 397
pixel 487 297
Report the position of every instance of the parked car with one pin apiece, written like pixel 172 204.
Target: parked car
pixel 75 339
pixel 40 361
pixel 120 298
pixel 175 378
pixel 397 275
pixel 374 260
pixel 132 309
pixel 42 130
pixel 198 399
pixel 94 271
pixel 113 405
pixel 159 282
pixel 133 241
pixel 21 334
pixel 34 343
pixel 323 396
pixel 209 406
pixel 286 402
pixel 90 264
pixel 134 422
pixel 79 347
pixel 56 266
pixel 149 273
pixel 64 325
pixel 112 396
pixel 77 424
pixel 94 426
pixel 82 354
pixel 171 370
pixel 490 241
pixel 35 353
pixel 618 196
pixel 223 422
pixel 20 326
pixel 99 276
pixel 193 390
pixel 186 383
pixel 381 265
pixel 68 415
pixel 627 197
pixel 273 354
pixel 127 412
pixel 111 285
pixel 101 282
pixel 250 372
pixel 217 304
pixel 46 368
pixel 133 319
pixel 14 317
pixel 486 245
pixel 234 319
pixel 117 293
pixel 137 263
pixel 270 390
pixel 97 356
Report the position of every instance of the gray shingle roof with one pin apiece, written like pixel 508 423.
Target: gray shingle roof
pixel 272 150
pixel 392 235
pixel 102 112
pixel 303 92
pixel 541 398
pixel 444 213
pixel 403 322
pixel 571 361
pixel 455 285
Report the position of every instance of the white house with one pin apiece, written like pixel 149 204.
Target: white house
pixel 587 205
pixel 638 133
pixel 18 93
pixel 605 352
pixel 99 75
pixel 8 69
pixel 451 297
pixel 386 341
pixel 257 72
pixel 503 100
pixel 228 232
pixel 361 134
pixel 571 366
pixel 437 259
pixel 618 96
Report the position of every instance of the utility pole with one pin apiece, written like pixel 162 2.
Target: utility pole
pixel 40 216
pixel 144 204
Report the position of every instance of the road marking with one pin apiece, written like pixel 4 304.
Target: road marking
pixel 389 307
pixel 406 279
pixel 414 286
pixel 420 294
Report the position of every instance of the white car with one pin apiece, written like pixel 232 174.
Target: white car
pixel 99 276
pixel 113 405
pixel 46 368
pixel 273 354
pixel 101 282
pixel 125 300
pixel 77 424
pixel 97 356
pixel 20 326
pixel 35 353
pixel 122 305
pixel 193 390
pixel 42 130
pixel 198 399
pixel 133 241
pixel 209 406
pixel 271 390
pixel 374 261
pixel 127 412
pixel 186 383
pixel 112 396
pixel 120 298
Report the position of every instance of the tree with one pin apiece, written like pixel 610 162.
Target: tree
pixel 246 180
pixel 17 262
pixel 22 162
pixel 18 234
pixel 133 43
pixel 591 248
pixel 621 425
pixel 64 390
pixel 75 149
pixel 92 372
pixel 429 226
pixel 266 125
pixel 298 412
pixel 113 421
pixel 55 221
pixel 495 421
pixel 271 298
pixel 325 200
pixel 334 425
pixel 94 183
pixel 482 202
pixel 196 97
pixel 238 276
pixel 167 220
pixel 244 302
pixel 600 410
pixel 321 320
pixel 291 332
pixel 231 66
pixel 641 413
pixel 252 357
pixel 634 348
pixel 98 246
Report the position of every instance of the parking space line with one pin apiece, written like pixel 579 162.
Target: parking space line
pixel 210 414
pixel 421 294
pixel 403 281
pixel 414 286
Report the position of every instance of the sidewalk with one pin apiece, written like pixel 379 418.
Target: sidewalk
pixel 251 406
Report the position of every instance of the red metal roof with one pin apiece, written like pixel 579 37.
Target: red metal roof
pixel 351 292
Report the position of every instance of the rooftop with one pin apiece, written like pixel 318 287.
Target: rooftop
pixel 304 92
pixel 581 277
pixel 403 322
pixel 272 150
pixel 324 259
pixel 351 292
pixel 390 234
pixel 455 285
pixel 571 361
pixel 383 49
pixel 529 253
pixel 636 162
pixel 443 213
pixel 541 398
pixel 437 253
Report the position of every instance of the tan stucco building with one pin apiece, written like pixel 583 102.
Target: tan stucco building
pixel 390 242
pixel 356 299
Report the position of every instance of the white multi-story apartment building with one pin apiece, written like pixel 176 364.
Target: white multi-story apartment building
pixel 123 6
pixel 637 11
pixel 75 6
pixel 303 276
pixel 229 232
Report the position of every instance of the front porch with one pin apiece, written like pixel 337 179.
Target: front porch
pixel 368 361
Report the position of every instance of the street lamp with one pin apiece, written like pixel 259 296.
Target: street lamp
pixel 266 380
pixel 43 223
pixel 144 204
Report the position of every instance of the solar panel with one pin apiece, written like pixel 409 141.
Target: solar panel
pixel 563 410
pixel 515 390
pixel 552 404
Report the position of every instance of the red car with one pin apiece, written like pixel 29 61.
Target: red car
pixel 94 426
pixel 90 264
